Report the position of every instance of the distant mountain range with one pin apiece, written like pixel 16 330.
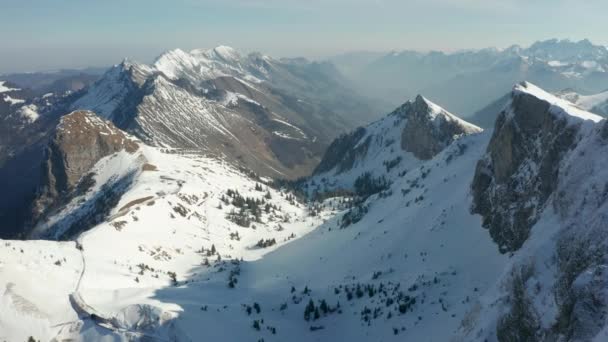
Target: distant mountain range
pixel 467 81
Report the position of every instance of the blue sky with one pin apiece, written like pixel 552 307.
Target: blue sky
pixel 47 34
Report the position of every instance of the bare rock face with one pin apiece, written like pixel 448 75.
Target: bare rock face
pixel 81 139
pixel 423 128
pixel 430 128
pixel 520 170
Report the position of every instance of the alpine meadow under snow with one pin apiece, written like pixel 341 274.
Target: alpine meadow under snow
pixel 213 195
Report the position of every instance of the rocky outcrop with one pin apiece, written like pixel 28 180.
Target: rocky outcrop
pixel 430 128
pixel 420 127
pixel 520 170
pixel 80 140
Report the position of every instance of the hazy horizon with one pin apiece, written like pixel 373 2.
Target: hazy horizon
pixel 42 35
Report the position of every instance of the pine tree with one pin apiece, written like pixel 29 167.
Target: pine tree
pixel 323 306
pixel 310 308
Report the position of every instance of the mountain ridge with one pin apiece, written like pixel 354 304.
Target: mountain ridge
pixel 216 85
pixel 452 78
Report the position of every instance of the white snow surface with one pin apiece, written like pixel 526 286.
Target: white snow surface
pixel 591 101
pixel 416 244
pixel 13 101
pixel 437 113
pixel 559 106
pixel 597 103
pixel 4 88
pixel 29 113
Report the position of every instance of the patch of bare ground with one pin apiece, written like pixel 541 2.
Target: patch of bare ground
pixel 149 167
pixel 119 225
pixel 135 202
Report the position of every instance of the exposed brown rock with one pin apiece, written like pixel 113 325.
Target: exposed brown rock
pixel 149 167
pixel 81 139
pixel 430 129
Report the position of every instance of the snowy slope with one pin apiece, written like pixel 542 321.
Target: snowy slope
pixel 408 262
pixel 112 90
pixel 597 103
pixel 153 269
pixel 391 146
pixel 169 214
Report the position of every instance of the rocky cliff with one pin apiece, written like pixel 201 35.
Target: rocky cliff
pixel 520 169
pixel 430 128
pixel 80 140
pixel 541 191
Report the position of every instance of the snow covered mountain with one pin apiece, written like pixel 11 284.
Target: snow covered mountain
pixel 419 127
pixel 548 151
pixel 460 80
pixel 459 235
pixel 272 116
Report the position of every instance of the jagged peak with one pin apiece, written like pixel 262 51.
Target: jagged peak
pixel 556 41
pixel 128 64
pixel 559 107
pixel 172 62
pixel 172 54
pixel 431 108
pixel 424 109
pixel 227 52
pixel 222 53
pixel 125 63
pixel 138 72
pixel 429 128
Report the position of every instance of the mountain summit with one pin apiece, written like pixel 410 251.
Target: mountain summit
pixel 255 111
pixel 414 132
pixel 421 127
pixel 430 128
